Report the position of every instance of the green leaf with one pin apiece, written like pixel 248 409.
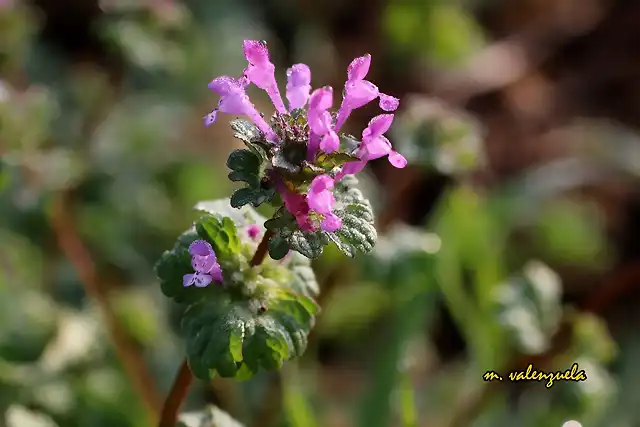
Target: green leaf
pixel 251 136
pixel 304 279
pixel 222 233
pixel 242 197
pixel 280 162
pixel 348 144
pixel 210 417
pixel 236 337
pixel 242 217
pixel 278 247
pixel 329 161
pixel 238 176
pixel 358 232
pixel 244 161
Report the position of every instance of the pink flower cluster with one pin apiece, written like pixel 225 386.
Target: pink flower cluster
pixel 316 207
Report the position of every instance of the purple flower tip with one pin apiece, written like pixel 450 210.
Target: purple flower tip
pixel 201 248
pixel 359 68
pixel 256 52
pixel 388 102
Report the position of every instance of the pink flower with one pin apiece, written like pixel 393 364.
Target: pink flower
pixel 323 135
pixel 358 92
pixel 254 231
pixel 322 201
pixel 374 145
pixel 234 100
pixel 298 85
pixel 261 72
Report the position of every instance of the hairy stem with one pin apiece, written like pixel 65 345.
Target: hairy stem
pixel 180 388
pixel 129 355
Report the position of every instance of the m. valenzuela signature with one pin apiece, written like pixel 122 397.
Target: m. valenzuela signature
pixel 530 374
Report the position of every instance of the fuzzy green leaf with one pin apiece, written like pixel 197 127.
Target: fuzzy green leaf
pixel 358 232
pixel 304 279
pixel 242 196
pixel 242 217
pixel 236 337
pixel 309 244
pixel 278 247
pixel 251 136
pixel 280 162
pixel 222 233
pixel 244 161
pixel 238 176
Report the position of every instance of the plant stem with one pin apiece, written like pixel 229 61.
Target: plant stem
pixel 261 251
pixel 180 388
pixel 177 395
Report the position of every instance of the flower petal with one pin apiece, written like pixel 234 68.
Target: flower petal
pixel 375 148
pixel 359 67
pixel 330 142
pixel 210 118
pixel 216 273
pixel 359 93
pixel 188 280
pixel 203 264
pixel 331 223
pixel 321 99
pixel 320 123
pixel 397 159
pixel 299 75
pixel 256 51
pixel 321 183
pixel 201 280
pixel 223 85
pixel 388 102
pixel 298 85
pixel 377 126
pixel 201 248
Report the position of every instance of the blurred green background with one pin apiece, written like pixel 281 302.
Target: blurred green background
pixel 512 237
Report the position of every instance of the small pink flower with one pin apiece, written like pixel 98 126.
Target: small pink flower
pixel 261 72
pixel 321 198
pixel 254 231
pixel 298 85
pixel 323 135
pixel 358 92
pixel 322 201
pixel 234 100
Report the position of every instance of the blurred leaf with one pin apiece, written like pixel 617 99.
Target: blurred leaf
pixel 25 333
pixel 210 417
pixel 435 136
pixel 572 233
pixel 531 307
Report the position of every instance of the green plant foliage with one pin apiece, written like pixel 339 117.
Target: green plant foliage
pixel 357 233
pixel 258 317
